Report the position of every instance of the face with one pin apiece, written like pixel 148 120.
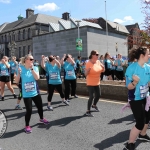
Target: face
pixel 30 60
pixel 5 58
pixel 146 57
pixel 96 56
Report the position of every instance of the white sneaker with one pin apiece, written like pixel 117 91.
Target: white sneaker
pixel 65 102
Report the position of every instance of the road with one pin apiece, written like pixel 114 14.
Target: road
pixel 69 129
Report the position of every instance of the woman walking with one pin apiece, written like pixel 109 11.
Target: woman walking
pixel 93 70
pixel 5 77
pixel 29 74
pixel 53 68
pixel 137 82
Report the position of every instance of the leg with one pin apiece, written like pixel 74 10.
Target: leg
pixel 38 102
pixel 91 92
pixel 10 87
pixel 97 94
pixel 28 105
pixel 50 93
pixel 73 87
pixel 59 89
pixel 2 88
pixel 67 89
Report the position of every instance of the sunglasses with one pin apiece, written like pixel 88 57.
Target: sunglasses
pixel 31 59
pixel 97 54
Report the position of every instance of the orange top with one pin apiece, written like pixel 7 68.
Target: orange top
pixel 93 77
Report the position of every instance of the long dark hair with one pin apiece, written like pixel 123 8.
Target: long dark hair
pixel 106 54
pixel 136 52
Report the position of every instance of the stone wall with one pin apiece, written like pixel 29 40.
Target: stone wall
pixel 115 91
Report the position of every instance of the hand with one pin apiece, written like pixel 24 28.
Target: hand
pixel 3 60
pixel 43 57
pixel 19 70
pixel 135 78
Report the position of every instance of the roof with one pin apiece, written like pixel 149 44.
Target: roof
pixel 132 26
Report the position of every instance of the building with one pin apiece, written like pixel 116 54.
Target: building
pixel 40 34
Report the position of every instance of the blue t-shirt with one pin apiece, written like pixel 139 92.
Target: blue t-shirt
pixel 77 63
pixel 69 71
pixel 4 71
pixel 148 61
pixel 54 74
pixel 13 66
pixel 142 89
pixel 119 67
pixel 108 63
pixel 29 84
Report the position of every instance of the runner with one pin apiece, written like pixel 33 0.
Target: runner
pixel 69 76
pixel 53 70
pixel 92 71
pixel 13 65
pixel 5 77
pixel 137 82
pixel 29 74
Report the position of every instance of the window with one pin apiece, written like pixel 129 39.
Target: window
pixel 19 52
pixel 19 36
pixel 29 34
pixel 13 36
pixel 2 39
pixel 24 51
pixel 5 39
pixel 24 36
pixel 9 38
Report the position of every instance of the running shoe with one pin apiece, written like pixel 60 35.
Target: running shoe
pixel 14 95
pixel 65 102
pixel 50 108
pixel 18 107
pixel 130 146
pixel 44 121
pixel 144 138
pixel 95 107
pixel 28 129
pixel 2 98
pixel 68 100
pixel 75 96
pixel 88 113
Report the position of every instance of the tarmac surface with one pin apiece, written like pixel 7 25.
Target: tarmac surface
pixel 69 128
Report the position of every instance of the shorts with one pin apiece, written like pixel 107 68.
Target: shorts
pixel 5 78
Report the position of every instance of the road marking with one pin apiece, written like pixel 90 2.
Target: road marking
pixel 106 100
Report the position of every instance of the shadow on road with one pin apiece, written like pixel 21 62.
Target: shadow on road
pixel 120 120
pixel 118 138
pixel 62 122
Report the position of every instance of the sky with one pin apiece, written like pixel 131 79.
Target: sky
pixel 125 12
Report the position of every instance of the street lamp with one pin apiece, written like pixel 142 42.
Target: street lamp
pixel 116 49
pixel 12 48
pixel 78 24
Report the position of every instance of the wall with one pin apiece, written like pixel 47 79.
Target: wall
pixel 97 39
pixel 108 90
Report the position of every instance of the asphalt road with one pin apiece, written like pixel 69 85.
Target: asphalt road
pixel 69 129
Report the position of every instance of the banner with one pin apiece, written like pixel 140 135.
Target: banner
pixel 79 44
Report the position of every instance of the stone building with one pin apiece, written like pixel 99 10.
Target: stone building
pixel 44 34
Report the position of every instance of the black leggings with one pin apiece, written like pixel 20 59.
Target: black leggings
pixel 28 104
pixel 51 89
pixel 141 116
pixel 119 75
pixel 67 88
pixel 20 91
pixel 94 93
pixel 12 78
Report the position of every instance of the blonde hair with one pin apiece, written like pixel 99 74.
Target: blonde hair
pixel 22 60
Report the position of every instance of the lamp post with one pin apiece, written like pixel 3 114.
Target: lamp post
pixel 12 48
pixel 116 49
pixel 78 24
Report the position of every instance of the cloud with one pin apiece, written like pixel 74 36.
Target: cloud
pixel 125 19
pixel 47 7
pixel 118 20
pixel 4 1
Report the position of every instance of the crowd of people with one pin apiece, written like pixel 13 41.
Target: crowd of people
pixel 26 73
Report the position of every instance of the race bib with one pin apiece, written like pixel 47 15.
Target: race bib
pixel 119 67
pixel 70 73
pixel 29 86
pixel 53 75
pixel 144 90
pixel 3 72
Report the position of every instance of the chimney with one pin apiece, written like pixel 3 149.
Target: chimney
pixel 29 12
pixel 65 16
